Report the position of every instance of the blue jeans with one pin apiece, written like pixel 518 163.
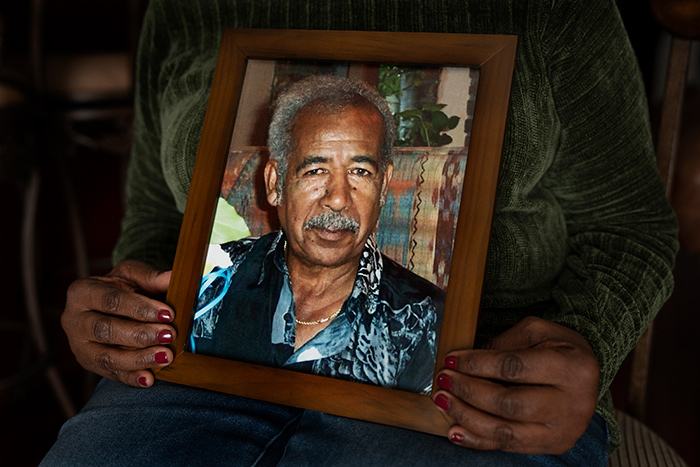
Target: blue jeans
pixel 169 424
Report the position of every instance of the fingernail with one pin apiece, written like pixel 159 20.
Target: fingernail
pixel 451 363
pixel 161 357
pixel 143 381
pixel 442 401
pixel 164 316
pixel 165 336
pixel 444 382
pixel 457 438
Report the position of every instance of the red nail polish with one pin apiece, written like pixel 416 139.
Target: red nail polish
pixel 457 438
pixel 161 357
pixel 143 381
pixel 165 336
pixel 444 382
pixel 164 316
pixel 442 401
pixel 451 363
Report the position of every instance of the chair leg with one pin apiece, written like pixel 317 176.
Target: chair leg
pixel 29 275
pixel 639 376
pixel 670 123
pixel 666 149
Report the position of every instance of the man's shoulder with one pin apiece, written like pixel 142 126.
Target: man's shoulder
pixel 241 247
pixel 407 283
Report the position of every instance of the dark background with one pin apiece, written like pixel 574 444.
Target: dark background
pixel 29 413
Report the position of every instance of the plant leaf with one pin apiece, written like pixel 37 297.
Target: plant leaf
pixel 453 122
pixel 439 121
pixel 228 224
pixel 433 107
pixel 444 140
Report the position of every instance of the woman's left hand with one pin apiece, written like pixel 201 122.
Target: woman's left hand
pixel 533 390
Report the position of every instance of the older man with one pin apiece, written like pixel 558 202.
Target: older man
pixel 318 296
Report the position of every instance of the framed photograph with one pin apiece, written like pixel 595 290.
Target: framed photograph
pixel 449 94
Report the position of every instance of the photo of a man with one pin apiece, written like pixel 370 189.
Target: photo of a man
pixel 318 296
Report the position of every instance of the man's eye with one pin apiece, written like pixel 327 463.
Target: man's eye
pixel 313 172
pixel 361 172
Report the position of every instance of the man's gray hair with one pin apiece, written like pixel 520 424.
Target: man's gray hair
pixel 325 94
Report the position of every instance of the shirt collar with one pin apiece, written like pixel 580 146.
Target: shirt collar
pixel 369 275
pixel 364 296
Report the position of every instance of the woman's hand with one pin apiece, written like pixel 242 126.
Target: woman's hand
pixel 534 390
pixel 114 329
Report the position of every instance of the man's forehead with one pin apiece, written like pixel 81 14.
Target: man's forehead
pixel 349 126
pixel 319 113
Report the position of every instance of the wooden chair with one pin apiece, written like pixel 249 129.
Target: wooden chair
pixel 64 93
pixel 640 445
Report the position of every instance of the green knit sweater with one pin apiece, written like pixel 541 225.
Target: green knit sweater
pixel 582 232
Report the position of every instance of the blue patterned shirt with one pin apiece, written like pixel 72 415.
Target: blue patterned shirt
pixel 385 334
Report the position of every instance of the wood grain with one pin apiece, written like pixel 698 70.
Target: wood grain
pixel 495 56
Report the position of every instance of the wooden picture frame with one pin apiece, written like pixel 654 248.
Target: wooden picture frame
pixel 494 55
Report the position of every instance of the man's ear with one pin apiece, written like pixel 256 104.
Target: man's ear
pixel 388 173
pixel 271 176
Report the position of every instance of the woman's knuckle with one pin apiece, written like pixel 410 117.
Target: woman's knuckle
pixel 122 268
pixel 511 366
pixel 106 362
pixel 111 300
pixel 470 364
pixel 142 312
pixel 102 330
pixel 461 390
pixel 144 360
pixel 142 338
pixel 509 406
pixel 504 437
pixel 460 417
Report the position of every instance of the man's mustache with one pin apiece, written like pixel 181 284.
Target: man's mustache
pixel 332 220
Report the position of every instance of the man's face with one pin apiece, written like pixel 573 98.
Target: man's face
pixel 333 172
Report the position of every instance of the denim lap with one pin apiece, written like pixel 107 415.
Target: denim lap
pixel 172 425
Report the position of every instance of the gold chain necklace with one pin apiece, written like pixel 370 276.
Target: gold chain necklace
pixel 318 321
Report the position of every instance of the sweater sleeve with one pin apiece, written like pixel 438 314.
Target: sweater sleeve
pixel 582 228
pixel 151 223
pixel 621 229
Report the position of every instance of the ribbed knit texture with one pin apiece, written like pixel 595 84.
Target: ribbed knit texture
pixel 582 233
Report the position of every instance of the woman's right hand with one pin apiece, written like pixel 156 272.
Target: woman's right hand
pixel 115 329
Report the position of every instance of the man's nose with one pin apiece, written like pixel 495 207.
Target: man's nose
pixel 338 192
